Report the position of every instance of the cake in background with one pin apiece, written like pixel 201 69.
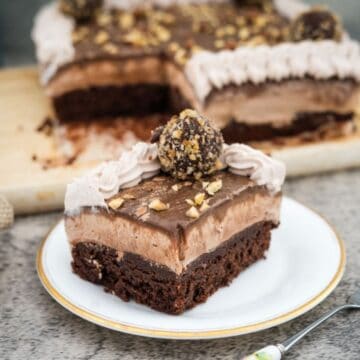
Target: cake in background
pixel 261 70
pixel 169 223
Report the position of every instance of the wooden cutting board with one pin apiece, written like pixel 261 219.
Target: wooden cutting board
pixel 30 188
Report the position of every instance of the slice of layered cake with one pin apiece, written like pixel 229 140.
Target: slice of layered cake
pixel 259 69
pixel 169 223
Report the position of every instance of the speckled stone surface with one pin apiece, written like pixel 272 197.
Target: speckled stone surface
pixel 33 326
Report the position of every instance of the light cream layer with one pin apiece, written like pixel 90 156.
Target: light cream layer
pixel 203 237
pixel 274 103
pixel 277 103
pixel 107 73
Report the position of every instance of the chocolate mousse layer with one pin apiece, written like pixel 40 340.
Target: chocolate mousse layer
pixel 134 277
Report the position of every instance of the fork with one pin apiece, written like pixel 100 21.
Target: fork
pixel 276 352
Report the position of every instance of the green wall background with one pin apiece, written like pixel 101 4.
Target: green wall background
pixel 16 17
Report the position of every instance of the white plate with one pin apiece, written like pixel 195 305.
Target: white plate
pixel 305 262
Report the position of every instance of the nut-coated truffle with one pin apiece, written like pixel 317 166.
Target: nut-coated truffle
pixel 316 24
pixel 189 147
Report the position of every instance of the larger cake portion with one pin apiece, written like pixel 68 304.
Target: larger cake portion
pixel 259 69
pixel 170 223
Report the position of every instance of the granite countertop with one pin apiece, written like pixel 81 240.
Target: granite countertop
pixel 33 326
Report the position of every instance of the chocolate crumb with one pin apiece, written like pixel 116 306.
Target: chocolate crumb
pixel 46 126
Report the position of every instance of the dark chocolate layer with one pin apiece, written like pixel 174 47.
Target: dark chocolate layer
pixel 304 122
pixel 177 32
pixel 112 101
pixel 174 220
pixel 133 277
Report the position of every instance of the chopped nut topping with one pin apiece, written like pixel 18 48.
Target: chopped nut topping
pixel 205 205
pixel 199 198
pixel 176 187
pixel 129 197
pixel 180 56
pixel 193 213
pixel 79 34
pixel 163 17
pixel 256 41
pixel 126 21
pixel 135 37
pixel 103 19
pixel 219 165
pixel 173 46
pixel 219 44
pixel 244 33
pixel 116 203
pixel 111 48
pixel 101 37
pixel 158 205
pixel 214 187
pixel 190 202
pixel 160 32
pixel 205 184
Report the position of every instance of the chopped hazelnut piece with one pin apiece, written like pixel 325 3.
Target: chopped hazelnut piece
pixel 103 19
pixel 173 46
pixel 110 48
pixel 205 184
pixel 199 198
pixel 189 202
pixel 158 205
pixel 101 37
pixel 80 34
pixel 129 197
pixel 214 187
pixel 176 187
pixel 126 21
pixel 205 205
pixel 219 44
pixel 116 203
pixel 193 213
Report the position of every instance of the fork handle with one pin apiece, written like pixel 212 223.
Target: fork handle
pixel 275 352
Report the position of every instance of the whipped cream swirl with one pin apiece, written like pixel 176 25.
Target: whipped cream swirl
pixel 320 60
pixel 52 35
pixel 107 179
pixel 243 160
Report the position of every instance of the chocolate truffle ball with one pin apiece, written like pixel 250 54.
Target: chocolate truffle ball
pixel 189 147
pixel 80 9
pixel 316 24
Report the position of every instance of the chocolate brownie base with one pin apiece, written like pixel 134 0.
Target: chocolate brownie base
pixel 115 101
pixel 112 101
pixel 133 277
pixel 304 122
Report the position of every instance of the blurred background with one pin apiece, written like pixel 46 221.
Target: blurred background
pixel 16 18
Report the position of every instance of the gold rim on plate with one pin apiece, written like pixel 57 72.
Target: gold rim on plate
pixel 186 335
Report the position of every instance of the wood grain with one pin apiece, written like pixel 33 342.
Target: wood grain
pixel 31 189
